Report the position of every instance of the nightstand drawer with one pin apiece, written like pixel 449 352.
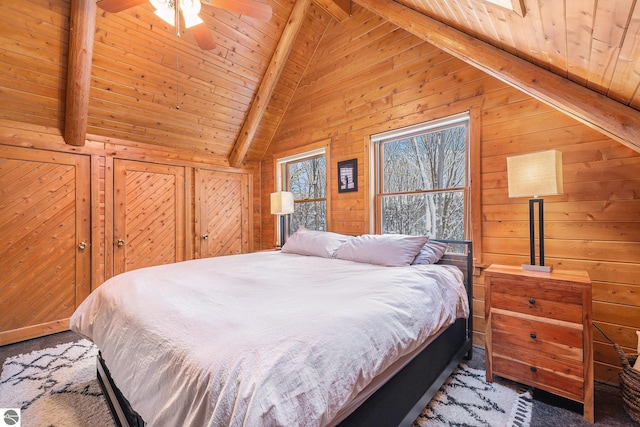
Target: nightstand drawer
pixel 537 301
pixel 542 376
pixel 534 335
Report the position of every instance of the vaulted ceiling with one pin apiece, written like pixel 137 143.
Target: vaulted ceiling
pixel 595 43
pixel 149 86
pixel 580 57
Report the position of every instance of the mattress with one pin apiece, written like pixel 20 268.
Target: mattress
pixel 262 339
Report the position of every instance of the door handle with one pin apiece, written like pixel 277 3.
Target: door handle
pixel 82 246
pixel 120 243
pixel 205 236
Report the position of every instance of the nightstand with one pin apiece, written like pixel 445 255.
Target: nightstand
pixel 538 331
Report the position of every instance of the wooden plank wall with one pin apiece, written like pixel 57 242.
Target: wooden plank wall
pixel 368 76
pixel 34 61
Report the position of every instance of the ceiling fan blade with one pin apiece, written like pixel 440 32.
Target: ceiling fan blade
pixel 203 37
pixel 254 9
pixel 114 6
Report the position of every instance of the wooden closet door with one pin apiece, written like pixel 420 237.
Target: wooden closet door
pixel 149 210
pixel 45 256
pixel 224 213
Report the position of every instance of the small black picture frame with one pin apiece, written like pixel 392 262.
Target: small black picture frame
pixel 348 176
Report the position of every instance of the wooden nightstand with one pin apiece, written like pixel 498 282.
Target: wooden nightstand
pixel 538 331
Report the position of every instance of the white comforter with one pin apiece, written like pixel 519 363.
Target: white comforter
pixel 261 339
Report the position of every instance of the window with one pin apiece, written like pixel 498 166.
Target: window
pixel 422 179
pixel 305 175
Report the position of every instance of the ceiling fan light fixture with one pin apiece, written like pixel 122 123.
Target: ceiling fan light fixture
pixel 191 20
pixel 190 7
pixel 190 10
pixel 167 15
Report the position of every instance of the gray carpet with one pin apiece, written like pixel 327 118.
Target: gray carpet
pixel 548 410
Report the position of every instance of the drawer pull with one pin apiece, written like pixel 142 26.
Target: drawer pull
pixel 532 301
pixel 533 336
pixel 533 369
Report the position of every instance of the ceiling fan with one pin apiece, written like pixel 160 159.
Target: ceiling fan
pixel 170 11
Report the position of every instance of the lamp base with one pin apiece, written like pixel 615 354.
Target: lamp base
pixel 539 268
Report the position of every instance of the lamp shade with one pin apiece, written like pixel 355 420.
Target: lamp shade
pixel 281 203
pixel 535 174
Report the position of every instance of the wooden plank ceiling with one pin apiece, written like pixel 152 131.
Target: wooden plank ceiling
pixel 148 85
pixel 151 87
pixel 594 43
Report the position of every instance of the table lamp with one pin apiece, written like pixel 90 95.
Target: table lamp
pixel 281 205
pixel 534 175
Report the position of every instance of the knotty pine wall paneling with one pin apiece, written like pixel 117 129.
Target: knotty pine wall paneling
pixel 34 45
pixel 368 76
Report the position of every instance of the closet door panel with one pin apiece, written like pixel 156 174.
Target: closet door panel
pixel 224 213
pixel 45 257
pixel 149 208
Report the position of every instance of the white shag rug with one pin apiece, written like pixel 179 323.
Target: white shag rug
pixel 466 399
pixel 57 387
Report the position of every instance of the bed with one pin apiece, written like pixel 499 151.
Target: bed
pixel 282 337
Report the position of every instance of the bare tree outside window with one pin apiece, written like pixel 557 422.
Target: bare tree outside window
pixel 423 182
pixel 307 180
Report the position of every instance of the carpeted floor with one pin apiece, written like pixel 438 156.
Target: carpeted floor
pixel 548 410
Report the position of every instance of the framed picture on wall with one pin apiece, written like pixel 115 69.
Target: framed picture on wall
pixel 348 176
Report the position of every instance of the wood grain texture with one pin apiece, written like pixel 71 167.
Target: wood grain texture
pixel 593 226
pixel 223 216
pixel 531 339
pixel 82 28
pixel 342 82
pixel 590 107
pixel 149 206
pixel 268 83
pixel 45 275
pixel 593 43
pixel 147 85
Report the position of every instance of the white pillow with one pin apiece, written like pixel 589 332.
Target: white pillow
pixel 391 250
pixel 314 243
pixel 430 253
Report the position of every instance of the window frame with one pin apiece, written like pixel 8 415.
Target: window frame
pixel 469 111
pixel 280 179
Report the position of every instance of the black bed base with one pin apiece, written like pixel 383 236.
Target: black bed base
pixel 121 411
pixel 397 403
pixel 400 400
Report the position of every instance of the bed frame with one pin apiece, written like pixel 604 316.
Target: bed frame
pixel 401 399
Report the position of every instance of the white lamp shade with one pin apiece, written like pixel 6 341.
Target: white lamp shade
pixel 281 203
pixel 535 174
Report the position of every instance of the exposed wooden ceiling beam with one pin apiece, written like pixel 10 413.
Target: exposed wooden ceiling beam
pixel 610 117
pixel 81 35
pixel 339 10
pixel 269 81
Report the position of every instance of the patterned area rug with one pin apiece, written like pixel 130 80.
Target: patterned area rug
pixel 57 387
pixel 466 399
